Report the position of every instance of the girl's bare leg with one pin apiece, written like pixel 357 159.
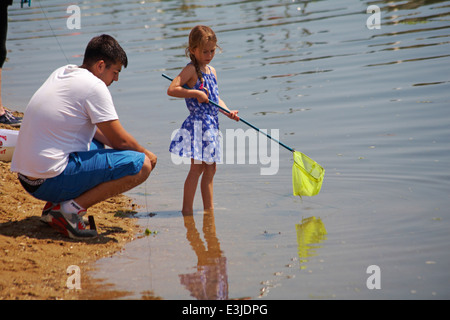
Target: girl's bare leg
pixel 206 185
pixel 190 186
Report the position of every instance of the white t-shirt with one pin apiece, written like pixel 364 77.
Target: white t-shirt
pixel 61 118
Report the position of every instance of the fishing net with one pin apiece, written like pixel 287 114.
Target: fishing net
pixel 307 175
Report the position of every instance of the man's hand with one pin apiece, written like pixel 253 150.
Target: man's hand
pixel 152 157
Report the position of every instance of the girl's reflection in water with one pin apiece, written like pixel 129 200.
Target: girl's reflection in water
pixel 210 281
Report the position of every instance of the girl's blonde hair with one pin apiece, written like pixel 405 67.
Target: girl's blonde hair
pixel 198 38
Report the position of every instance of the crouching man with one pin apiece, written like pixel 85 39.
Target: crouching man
pixel 60 155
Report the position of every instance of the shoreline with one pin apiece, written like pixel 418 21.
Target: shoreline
pixel 34 257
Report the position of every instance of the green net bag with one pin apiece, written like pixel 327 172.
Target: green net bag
pixel 307 175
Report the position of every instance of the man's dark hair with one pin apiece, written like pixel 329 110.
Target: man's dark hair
pixel 106 48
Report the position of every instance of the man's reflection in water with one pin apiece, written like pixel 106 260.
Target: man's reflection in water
pixel 210 281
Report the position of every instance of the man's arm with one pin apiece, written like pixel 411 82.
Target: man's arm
pixel 99 136
pixel 113 134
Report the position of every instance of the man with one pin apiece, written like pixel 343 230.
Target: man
pixel 54 156
pixel 6 117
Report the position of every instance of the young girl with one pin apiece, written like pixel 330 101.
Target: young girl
pixel 202 125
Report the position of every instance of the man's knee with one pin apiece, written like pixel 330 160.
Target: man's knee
pixel 148 166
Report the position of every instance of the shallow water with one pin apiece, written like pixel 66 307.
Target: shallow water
pixel 370 105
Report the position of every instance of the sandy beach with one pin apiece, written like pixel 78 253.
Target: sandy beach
pixel 34 258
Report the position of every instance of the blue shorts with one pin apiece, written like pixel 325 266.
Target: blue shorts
pixel 86 170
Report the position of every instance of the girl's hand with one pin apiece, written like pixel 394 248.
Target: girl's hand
pixel 201 96
pixel 233 115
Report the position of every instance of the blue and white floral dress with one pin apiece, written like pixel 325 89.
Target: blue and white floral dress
pixel 199 136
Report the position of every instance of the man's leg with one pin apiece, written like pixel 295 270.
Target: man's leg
pixel 71 223
pixel 111 188
pixel 90 177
